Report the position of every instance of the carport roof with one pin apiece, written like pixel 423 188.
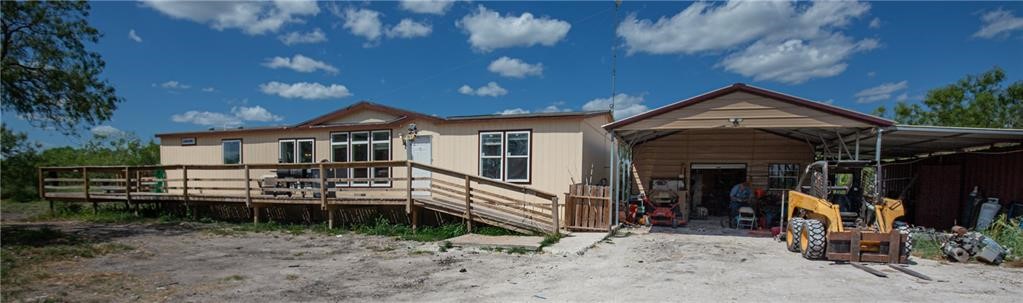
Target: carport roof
pixel 902 141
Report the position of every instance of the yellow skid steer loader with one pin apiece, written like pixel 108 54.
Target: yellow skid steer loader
pixel 821 225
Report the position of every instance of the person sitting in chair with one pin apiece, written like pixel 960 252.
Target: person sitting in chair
pixel 738 197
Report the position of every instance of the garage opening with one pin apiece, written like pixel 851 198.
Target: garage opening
pixel 712 183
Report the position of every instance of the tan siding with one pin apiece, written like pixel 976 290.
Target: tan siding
pixel 756 112
pixel 557 149
pixel 596 148
pixel 668 156
pixel 556 157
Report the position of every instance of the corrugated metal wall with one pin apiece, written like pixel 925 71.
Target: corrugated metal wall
pixel 996 174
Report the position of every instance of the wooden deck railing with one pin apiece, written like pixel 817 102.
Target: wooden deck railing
pixel 328 184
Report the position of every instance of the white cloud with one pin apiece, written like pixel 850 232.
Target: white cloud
pixel 300 63
pixel 305 90
pixel 997 23
pixel 882 92
pixel 209 89
pixel 875 23
pixel 513 111
pixel 134 36
pixel 172 84
pixel 492 89
pixel 254 18
pixel 207 118
pixel 315 36
pixel 488 30
pixel 255 113
pixel 903 97
pixel 105 131
pixel 237 117
pixel 762 33
pixel 625 105
pixel 436 7
pixel 409 29
pixel 515 68
pixel 795 61
pixel 364 23
pixel 556 107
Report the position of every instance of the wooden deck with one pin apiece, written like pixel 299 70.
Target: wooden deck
pixel 473 198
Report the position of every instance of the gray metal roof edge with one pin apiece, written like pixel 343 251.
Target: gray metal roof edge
pixel 955 129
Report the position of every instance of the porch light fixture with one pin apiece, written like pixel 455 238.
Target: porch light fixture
pixel 735 121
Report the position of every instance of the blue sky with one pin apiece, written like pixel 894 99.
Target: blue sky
pixel 195 65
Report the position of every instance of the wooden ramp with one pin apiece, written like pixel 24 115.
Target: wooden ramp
pixel 471 197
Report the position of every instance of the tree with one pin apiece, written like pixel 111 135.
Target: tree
pixel 973 101
pixel 48 75
pixel 18 165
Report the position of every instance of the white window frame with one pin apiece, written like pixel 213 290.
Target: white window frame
pixel 507 155
pixel 372 157
pixel 500 155
pixel 223 143
pixel 296 149
pixel 348 156
pixel 351 158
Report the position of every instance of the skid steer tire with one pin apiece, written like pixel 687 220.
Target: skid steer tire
pixel 816 236
pixel 793 233
pixel 907 248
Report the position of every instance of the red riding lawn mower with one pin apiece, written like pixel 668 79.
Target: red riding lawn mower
pixel 667 209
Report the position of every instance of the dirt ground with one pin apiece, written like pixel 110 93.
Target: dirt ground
pixel 180 263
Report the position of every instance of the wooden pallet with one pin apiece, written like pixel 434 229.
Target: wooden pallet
pixel 867 246
pixel 588 208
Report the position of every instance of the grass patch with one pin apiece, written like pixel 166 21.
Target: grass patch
pixel 1008 234
pixel 927 246
pixel 26 253
pixel 231 229
pixel 234 278
pixel 550 239
pixel 291 277
pixel 23 210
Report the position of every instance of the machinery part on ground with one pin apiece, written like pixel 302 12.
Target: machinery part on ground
pixel 813 239
pixel 957 254
pixel 962 245
pixel 792 234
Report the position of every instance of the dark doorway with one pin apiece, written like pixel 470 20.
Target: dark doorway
pixel 711 184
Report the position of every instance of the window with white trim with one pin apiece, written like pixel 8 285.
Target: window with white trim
pixel 360 153
pixel 505 155
pixel 231 151
pixel 339 153
pixel 491 148
pixel 381 144
pixel 296 150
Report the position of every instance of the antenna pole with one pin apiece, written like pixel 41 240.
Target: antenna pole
pixel 614 56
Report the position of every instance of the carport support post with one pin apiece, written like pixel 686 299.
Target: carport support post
pixel 877 168
pixel 613 178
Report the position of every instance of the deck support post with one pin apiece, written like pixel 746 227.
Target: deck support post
pixel 184 192
pixel 42 188
pixel 330 218
pixel 409 206
pixel 85 187
pixel 468 205
pixel 323 187
pixel 127 191
pixel 248 188
pixel 555 216
pixel 256 211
